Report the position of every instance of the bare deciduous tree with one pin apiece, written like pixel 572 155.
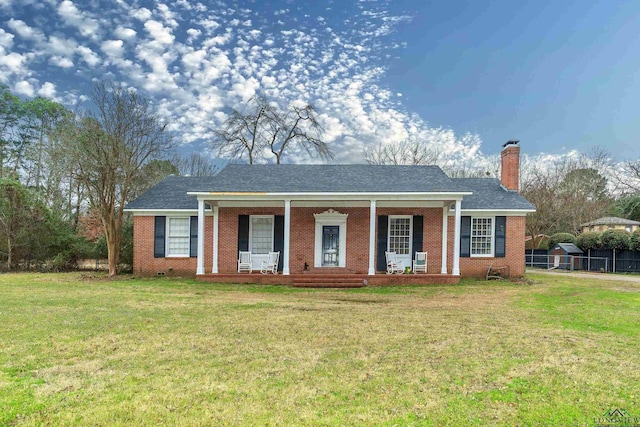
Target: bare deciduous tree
pixel 403 153
pixel 438 146
pixel 567 192
pixel 628 177
pixel 109 149
pixel 265 128
pixel 195 164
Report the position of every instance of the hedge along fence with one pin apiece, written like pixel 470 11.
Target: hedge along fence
pixel 621 252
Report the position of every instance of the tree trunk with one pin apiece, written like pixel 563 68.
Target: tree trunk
pixel 76 215
pixel 9 253
pixel 112 233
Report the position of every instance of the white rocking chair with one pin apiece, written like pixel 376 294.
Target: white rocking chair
pixel 270 265
pixel 244 262
pixel 420 262
pixel 393 265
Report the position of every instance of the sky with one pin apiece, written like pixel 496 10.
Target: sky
pixel 560 76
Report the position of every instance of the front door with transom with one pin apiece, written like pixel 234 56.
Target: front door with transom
pixel 330 245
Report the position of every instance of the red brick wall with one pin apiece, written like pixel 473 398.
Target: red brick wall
pixel 302 244
pixel 514 256
pixel 145 264
pixel 431 234
pixel 510 167
pixel 228 234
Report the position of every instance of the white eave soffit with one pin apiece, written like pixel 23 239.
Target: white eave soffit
pixel 427 196
pixel 492 212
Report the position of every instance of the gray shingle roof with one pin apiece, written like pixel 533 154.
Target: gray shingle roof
pixel 610 220
pixel 171 193
pixel 331 178
pixel 488 193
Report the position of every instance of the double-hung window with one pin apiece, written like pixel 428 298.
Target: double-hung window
pixel 482 235
pixel 261 234
pixel 400 234
pixel 178 229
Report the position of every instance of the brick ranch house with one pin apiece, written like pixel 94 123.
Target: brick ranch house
pixel 197 225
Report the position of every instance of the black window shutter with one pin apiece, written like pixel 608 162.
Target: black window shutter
pixel 383 225
pixel 158 236
pixel 416 239
pixel 501 237
pixel 465 236
pixel 193 237
pixel 243 233
pixel 278 238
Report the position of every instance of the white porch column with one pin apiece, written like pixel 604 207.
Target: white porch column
pixel 200 256
pixel 445 234
pixel 214 265
pixel 372 238
pixel 287 234
pixel 456 241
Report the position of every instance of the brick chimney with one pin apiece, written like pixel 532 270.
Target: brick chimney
pixel 510 168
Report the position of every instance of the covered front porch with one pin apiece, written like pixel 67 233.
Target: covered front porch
pixel 328 239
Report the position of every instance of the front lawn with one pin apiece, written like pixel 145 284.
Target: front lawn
pixel 81 350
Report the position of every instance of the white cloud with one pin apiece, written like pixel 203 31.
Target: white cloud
pixel 193 60
pixel 268 82
pixel 141 14
pixel 25 31
pixel 193 34
pixel 244 89
pixel 61 61
pixel 88 56
pixel 14 62
pixel 61 46
pixel 6 39
pixel 87 25
pixel 113 48
pixel 167 15
pixel 208 24
pixel 159 32
pixel 23 87
pixel 47 90
pixel 124 33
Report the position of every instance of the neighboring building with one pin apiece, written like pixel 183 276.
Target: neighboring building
pixel 332 219
pixel 610 222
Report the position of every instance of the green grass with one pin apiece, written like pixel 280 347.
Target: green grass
pixel 82 350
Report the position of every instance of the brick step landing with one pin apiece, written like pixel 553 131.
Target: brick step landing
pixel 334 280
pixel 328 285
pixel 328 270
